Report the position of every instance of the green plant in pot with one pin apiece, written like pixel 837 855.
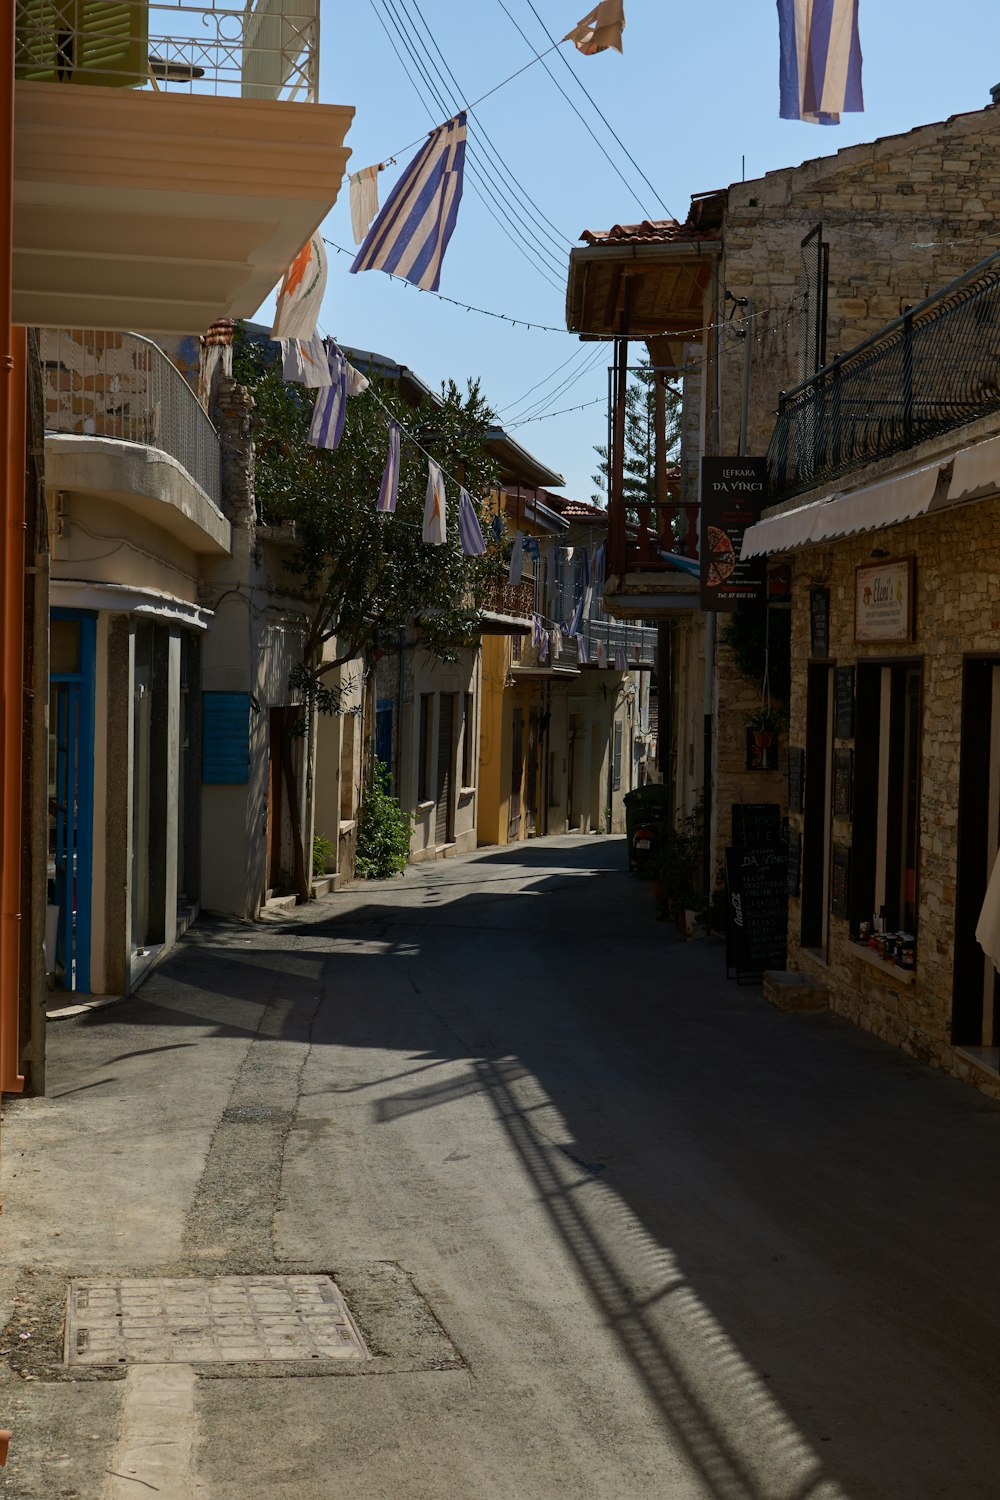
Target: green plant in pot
pixel 678 867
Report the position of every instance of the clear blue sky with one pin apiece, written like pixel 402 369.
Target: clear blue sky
pixel 696 90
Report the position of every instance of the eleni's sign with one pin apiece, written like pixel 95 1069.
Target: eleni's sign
pixel 883 600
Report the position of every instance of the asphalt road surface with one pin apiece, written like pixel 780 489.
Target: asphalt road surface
pixel 612 1228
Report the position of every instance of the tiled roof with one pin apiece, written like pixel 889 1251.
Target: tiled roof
pixel 581 510
pixel 649 232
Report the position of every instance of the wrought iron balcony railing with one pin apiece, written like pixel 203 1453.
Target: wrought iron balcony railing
pixel 265 49
pixel 120 385
pixel 933 369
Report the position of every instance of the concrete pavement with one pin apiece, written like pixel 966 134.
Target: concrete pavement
pixel 612 1227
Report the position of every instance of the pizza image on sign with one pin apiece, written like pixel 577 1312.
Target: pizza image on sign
pixel 721 557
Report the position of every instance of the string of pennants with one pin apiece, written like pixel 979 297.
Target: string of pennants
pixel 319 364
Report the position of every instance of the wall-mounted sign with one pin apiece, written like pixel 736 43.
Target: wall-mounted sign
pixel 819 621
pixel 794 862
pixel 840 880
pixel 883 600
pixel 732 494
pixel 843 782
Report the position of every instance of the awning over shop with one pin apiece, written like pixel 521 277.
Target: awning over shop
pixel 976 468
pixel 884 504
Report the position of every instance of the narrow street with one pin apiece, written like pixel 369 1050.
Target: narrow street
pixel 612 1227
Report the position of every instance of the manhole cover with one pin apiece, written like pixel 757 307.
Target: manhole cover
pixel 208 1320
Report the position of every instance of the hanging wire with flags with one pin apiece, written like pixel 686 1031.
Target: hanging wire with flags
pixel 470 533
pixel 389 488
pixel 411 234
pixel 820 66
pixel 435 529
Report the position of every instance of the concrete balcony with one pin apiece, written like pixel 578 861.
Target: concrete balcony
pixel 174 188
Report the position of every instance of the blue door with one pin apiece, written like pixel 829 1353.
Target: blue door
pixel 71 793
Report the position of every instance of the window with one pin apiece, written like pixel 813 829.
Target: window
pixel 424 769
pixel 468 741
pixel 887 794
pixel 616 772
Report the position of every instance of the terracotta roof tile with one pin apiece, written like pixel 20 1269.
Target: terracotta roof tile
pixel 649 232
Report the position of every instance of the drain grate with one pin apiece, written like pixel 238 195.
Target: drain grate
pixel 208 1320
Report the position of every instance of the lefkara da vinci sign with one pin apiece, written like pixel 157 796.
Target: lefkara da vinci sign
pixel 732 494
pixel 883 600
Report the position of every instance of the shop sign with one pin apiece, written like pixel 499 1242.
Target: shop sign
pixel 732 496
pixel 883 600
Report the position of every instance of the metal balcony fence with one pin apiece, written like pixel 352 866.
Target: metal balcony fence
pixel 265 49
pixel 121 385
pixel 933 369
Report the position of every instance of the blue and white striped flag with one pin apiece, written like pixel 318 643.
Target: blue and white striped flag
pixel 327 425
pixel 543 646
pixel 575 623
pixel 470 533
pixel 435 529
pixel 820 68
pixel 411 233
pixel 536 630
pixel 581 650
pixel 390 474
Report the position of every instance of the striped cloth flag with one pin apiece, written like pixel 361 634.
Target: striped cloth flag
pixel 435 530
pixel 301 293
pixel 556 639
pixel 621 660
pixel 411 234
pixel 516 559
pixel 585 567
pixel 577 620
pixel 305 362
pixel 327 425
pixel 820 67
pixel 581 650
pixel 496 526
pixel 536 630
pixel 543 646
pixel 470 533
pixel 600 560
pixel 389 487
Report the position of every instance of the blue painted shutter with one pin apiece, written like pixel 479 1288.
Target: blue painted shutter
pixel 225 741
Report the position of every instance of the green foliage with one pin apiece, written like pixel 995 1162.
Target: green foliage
pixel 755 634
pixel 678 864
pixel 366 576
pixel 639 478
pixel 384 830
pixel 323 851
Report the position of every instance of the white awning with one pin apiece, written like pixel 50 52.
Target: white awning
pixel 884 504
pixel 976 468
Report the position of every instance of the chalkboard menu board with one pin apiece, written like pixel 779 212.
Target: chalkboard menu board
pixel 757 899
pixel 843 703
pixel 796 778
pixel 794 862
pixel 819 622
pixel 840 883
pixel 756 823
pixel 843 782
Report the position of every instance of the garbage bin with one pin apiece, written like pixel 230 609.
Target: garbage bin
pixel 647 804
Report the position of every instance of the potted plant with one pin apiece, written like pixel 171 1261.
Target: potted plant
pixel 763 732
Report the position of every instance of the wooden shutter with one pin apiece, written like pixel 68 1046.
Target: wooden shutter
pixel 102 42
pixel 617 767
pixel 444 822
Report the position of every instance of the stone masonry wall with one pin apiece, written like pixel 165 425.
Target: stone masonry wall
pixel 957 612
pixel 903 216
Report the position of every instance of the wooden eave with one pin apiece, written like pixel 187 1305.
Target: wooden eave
pixel 662 287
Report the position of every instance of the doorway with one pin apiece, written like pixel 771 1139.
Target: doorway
pixel 70 798
pixel 444 811
pixel 516 775
pixel 976 992
pixel 816 825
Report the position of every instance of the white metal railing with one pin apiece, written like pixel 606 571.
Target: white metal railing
pixel 266 49
pixel 121 385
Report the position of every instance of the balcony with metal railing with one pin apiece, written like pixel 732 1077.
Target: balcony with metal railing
pixel 170 159
pixel 931 370
pixel 122 386
pixel 263 50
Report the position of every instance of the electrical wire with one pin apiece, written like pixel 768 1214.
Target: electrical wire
pixel 537 407
pixel 540 258
pixel 544 381
pixel 602 116
pixel 561 413
pixel 561 239
pixel 554 258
